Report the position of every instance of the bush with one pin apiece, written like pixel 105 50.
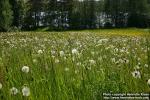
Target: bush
pixel 14 29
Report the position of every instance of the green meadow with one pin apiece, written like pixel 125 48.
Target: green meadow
pixel 74 65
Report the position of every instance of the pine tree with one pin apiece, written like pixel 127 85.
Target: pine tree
pixel 116 10
pixel 51 14
pixel 5 15
pixel 138 13
pixel 15 10
pixel 19 8
pixel 91 14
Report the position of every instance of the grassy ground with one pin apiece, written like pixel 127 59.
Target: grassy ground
pixel 74 65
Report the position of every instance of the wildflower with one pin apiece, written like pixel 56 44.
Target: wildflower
pixel 137 67
pixel 61 53
pixel 75 51
pixel 53 56
pixel 136 74
pixel 102 40
pixel 56 60
pixel 76 71
pixel 34 61
pixel 126 61
pixel 25 69
pixel 93 53
pixel 65 58
pixel 100 58
pixel 40 51
pixel 92 62
pixel 113 60
pixel 146 65
pixel 53 52
pixel 66 69
pixel 148 82
pixel 1 86
pixel 79 64
pixel 26 91
pixel 14 91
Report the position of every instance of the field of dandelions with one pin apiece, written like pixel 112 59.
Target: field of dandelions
pixel 73 65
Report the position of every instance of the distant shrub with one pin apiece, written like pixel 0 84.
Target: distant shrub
pixel 14 29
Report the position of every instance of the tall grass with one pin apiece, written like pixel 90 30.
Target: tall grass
pixel 100 63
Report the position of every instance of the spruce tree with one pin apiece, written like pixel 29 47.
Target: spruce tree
pixel 138 13
pixel 6 15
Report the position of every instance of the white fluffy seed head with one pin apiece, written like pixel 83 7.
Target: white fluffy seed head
pixel 25 69
pixel 26 91
pixel 92 62
pixel 66 69
pixel 136 74
pixel 14 91
pixel 148 82
pixel 61 53
pixel 1 86
pixel 40 51
pixel 75 51
pixel 34 61
pixel 56 60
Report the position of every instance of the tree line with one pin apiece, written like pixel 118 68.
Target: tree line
pixel 73 14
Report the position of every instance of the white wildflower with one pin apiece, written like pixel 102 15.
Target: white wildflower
pixel 34 61
pixel 137 67
pixel 1 86
pixel 100 58
pixel 113 60
pixel 93 53
pixel 92 62
pixel 126 61
pixel 76 71
pixel 102 40
pixel 40 51
pixel 14 91
pixel 53 52
pixel 26 91
pixel 146 65
pixel 136 74
pixel 75 51
pixel 53 56
pixel 79 64
pixel 65 58
pixel 148 82
pixel 61 53
pixel 56 60
pixel 25 69
pixel 66 69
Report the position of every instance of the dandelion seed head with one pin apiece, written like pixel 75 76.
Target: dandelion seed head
pixel 79 64
pixel 34 61
pixel 40 51
pixel 92 62
pixel 61 53
pixel 113 60
pixel 66 69
pixel 56 60
pixel 136 74
pixel 53 52
pixel 75 51
pixel 148 82
pixel 146 65
pixel 25 69
pixel 14 91
pixel 137 67
pixel 1 86
pixel 26 91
